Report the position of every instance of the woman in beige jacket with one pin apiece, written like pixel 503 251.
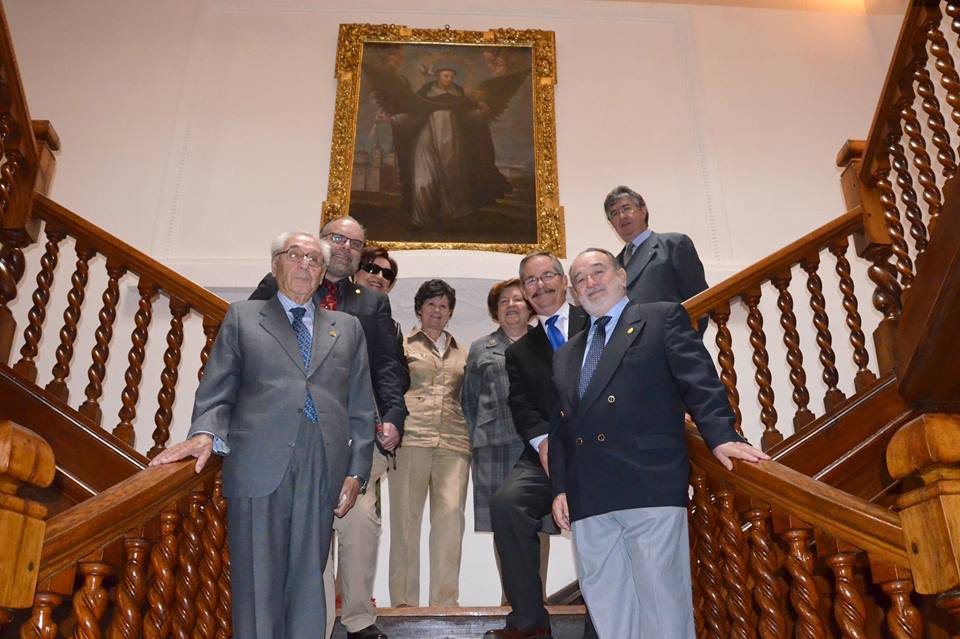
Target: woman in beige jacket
pixel 434 458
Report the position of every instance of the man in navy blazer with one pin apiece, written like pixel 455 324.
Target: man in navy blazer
pixel 660 267
pixel 618 456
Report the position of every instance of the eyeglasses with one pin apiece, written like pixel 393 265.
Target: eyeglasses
pixel 343 240
pixel 546 278
pixel 627 207
pixel 376 269
pixel 295 254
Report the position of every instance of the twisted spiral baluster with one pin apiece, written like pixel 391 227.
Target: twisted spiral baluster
pixel 728 374
pixel 849 609
pixel 26 367
pixel 767 591
pixel 101 349
pixel 791 339
pixel 758 340
pixel 134 372
pixel 168 378
pixel 708 557
pixel 804 595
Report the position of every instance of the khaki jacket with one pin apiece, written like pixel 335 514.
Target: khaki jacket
pixel 436 417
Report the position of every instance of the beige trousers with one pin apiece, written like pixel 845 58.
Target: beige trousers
pixel 443 474
pixel 357 540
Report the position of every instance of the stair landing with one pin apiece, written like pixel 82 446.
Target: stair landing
pixel 464 623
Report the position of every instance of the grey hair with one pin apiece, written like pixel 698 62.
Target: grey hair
pixel 610 256
pixel 620 192
pixel 344 218
pixel 558 267
pixel 281 240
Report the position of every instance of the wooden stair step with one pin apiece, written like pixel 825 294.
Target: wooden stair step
pixel 463 623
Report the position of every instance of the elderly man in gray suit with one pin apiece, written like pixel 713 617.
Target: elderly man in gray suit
pixel 286 398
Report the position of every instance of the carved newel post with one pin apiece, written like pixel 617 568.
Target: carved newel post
pixel 928 448
pixel 24 458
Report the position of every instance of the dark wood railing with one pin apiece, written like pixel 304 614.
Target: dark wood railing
pixel 20 164
pixel 145 558
pixel 183 298
pixel 773 276
pixel 777 554
pixel 910 154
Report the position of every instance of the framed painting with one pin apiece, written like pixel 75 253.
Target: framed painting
pixel 447 139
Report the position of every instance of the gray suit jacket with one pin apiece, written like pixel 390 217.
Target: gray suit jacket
pixel 254 388
pixel 666 268
pixel 485 391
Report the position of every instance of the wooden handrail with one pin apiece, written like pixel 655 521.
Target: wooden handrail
pixel 96 458
pixel 782 260
pixel 873 529
pixel 89 525
pixel 20 137
pixel 148 269
pixel 18 102
pixel 917 13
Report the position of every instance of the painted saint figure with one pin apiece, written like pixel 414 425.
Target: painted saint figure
pixel 445 153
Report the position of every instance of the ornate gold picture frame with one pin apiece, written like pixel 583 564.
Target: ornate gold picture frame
pixel 446 139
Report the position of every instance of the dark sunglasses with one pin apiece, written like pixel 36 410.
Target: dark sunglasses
pixel 376 269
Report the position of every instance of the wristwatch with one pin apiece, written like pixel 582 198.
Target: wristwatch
pixel 363 483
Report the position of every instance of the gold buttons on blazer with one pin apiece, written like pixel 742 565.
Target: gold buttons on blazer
pixel 562 414
pixel 579 441
pixel 611 399
pixel 601 437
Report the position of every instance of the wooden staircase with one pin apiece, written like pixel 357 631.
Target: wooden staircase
pixel 853 530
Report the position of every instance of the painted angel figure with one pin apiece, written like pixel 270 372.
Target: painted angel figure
pixel 445 153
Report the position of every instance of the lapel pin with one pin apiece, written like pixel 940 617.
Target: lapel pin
pixel 333 333
pixel 630 330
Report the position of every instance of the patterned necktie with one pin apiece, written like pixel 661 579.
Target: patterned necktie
pixel 553 333
pixel 593 355
pixel 328 301
pixel 304 342
pixel 627 253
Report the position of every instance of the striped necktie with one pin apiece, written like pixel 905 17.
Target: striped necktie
pixel 304 343
pixel 593 355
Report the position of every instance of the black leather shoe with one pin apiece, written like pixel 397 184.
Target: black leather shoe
pixel 370 632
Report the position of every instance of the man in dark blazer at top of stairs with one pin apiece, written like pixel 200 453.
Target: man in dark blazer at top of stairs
pixel 618 452
pixel 661 267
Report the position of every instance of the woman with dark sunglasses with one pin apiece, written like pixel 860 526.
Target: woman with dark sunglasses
pixel 379 271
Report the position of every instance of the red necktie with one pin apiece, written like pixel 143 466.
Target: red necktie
pixel 329 300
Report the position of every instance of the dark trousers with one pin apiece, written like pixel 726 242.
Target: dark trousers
pixel 278 549
pixel 516 511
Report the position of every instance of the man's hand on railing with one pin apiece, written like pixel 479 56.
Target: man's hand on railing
pixel 738 450
pixel 199 446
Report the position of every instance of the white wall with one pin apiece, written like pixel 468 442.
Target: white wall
pixel 197 129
